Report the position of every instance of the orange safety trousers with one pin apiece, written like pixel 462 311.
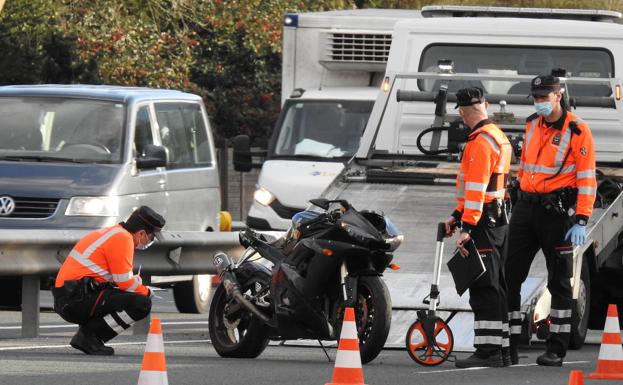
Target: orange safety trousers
pixel 106 255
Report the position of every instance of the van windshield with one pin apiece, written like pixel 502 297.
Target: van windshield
pixel 509 60
pixel 61 130
pixel 320 129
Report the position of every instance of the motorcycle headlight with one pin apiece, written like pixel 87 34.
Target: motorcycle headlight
pixel 394 242
pixel 263 196
pixel 93 206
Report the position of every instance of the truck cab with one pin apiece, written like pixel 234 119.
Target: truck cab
pixel 333 66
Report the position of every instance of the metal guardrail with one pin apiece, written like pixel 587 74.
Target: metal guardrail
pixel 35 253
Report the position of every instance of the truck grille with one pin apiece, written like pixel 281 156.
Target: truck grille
pixel 358 47
pixel 33 208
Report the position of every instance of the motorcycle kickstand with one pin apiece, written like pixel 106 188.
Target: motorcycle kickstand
pixel 325 351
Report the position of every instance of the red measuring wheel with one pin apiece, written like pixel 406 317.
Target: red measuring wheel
pixel 429 351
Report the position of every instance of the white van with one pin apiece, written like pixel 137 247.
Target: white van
pixel 84 157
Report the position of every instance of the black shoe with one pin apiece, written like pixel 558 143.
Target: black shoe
pixel 475 361
pixel 549 359
pixel 89 344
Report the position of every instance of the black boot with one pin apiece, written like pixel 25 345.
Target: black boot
pixel 88 343
pixel 549 359
pixel 514 355
pixel 480 359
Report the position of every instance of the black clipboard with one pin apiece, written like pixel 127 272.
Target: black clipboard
pixel 466 270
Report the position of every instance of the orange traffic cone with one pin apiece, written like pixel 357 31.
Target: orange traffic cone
pixel 348 368
pixel 154 368
pixel 610 361
pixel 576 377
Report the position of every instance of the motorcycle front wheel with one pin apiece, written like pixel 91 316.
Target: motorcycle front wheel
pixel 373 316
pixel 242 336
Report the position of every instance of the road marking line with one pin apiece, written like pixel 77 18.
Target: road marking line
pixel 111 344
pixel 75 326
pixel 481 368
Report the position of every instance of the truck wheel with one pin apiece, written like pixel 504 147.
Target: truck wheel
pixel 581 310
pixel 193 296
pixel 11 289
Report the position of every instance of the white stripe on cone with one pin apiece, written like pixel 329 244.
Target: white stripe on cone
pixel 151 377
pixel 610 352
pixel 349 331
pixel 348 359
pixel 612 325
pixel 155 343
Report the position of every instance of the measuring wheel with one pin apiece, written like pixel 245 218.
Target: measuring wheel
pixel 429 341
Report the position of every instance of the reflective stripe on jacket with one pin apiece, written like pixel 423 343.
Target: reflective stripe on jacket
pixel 107 255
pixel 485 166
pixel 547 150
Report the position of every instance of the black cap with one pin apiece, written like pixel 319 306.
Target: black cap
pixel 144 218
pixel 544 84
pixel 469 96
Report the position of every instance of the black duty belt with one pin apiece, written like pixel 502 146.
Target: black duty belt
pixel 534 197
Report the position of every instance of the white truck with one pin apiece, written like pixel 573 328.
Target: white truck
pixel 500 50
pixel 333 65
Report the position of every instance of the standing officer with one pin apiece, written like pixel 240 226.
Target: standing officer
pixel 557 167
pixel 481 186
pixel 95 286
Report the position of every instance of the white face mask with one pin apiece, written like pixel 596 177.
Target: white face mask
pixel 145 245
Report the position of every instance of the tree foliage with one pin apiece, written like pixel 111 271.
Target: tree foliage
pixel 228 51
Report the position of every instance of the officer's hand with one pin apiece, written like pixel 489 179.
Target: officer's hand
pixel 460 244
pixel 577 235
pixel 139 279
pixel 450 226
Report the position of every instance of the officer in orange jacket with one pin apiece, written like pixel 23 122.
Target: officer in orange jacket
pixel 96 288
pixel 481 188
pixel 556 193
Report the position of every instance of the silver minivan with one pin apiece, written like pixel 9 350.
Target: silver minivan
pixel 83 157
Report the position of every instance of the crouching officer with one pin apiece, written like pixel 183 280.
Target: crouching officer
pixel 557 167
pixel 481 187
pixel 95 286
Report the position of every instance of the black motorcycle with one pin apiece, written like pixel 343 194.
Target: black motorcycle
pixel 298 286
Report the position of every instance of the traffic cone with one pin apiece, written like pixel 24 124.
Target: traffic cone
pixel 348 368
pixel 154 368
pixel 576 377
pixel 610 361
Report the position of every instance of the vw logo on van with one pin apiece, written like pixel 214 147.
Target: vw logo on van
pixel 7 205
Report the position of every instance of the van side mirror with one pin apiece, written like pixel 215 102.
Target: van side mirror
pixel 154 156
pixel 242 153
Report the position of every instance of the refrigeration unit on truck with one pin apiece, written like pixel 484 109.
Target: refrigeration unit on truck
pixel 78 157
pixel 333 65
pixel 407 161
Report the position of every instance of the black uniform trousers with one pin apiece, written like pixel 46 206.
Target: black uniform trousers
pixel 105 312
pixel 533 228
pixel 487 295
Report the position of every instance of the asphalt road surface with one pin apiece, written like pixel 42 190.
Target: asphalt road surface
pixel 191 359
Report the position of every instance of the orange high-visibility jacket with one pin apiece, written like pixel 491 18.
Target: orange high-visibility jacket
pixel 547 149
pixel 485 166
pixel 106 255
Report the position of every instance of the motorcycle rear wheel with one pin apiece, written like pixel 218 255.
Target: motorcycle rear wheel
pixel 244 337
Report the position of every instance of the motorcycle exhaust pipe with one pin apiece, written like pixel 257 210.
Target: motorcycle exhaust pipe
pixel 223 265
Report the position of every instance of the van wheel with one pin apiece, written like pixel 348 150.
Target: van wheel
pixel 194 296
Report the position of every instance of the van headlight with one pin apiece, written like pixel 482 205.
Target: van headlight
pixel 93 206
pixel 263 196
